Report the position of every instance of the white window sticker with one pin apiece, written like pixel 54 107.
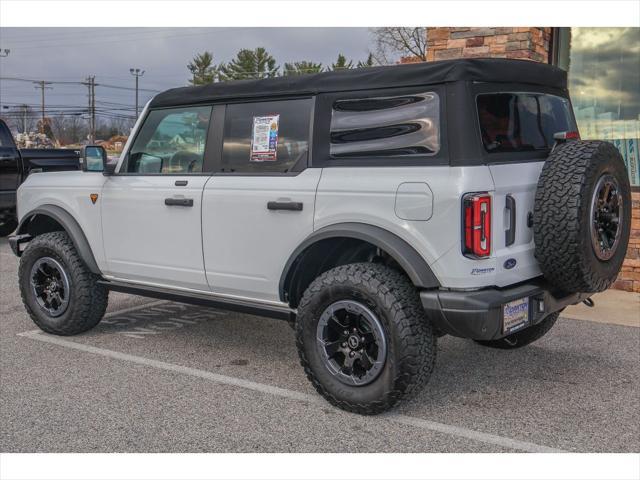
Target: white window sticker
pixel 264 141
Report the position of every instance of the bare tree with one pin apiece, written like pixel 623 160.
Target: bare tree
pixel 393 43
pixel 21 118
pixel 68 129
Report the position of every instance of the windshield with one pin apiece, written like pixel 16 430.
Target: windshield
pixel 519 122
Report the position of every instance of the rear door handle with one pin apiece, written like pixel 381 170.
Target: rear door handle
pixel 510 233
pixel 293 206
pixel 179 202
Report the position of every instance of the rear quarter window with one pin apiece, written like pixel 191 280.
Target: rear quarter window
pixel 521 122
pixel 394 126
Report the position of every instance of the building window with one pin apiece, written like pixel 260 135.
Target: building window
pixel 604 81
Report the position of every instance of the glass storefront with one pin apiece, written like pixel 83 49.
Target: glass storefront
pixel 604 82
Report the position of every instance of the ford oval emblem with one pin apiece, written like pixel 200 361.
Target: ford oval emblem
pixel 510 263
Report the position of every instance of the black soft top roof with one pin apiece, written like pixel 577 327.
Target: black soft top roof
pixel 415 74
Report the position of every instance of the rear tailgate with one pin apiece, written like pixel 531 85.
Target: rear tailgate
pixel 517 130
pixel 50 159
pixel 513 200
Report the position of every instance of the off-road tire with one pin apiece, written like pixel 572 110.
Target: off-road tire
pixel 87 300
pixel 561 217
pixel 523 337
pixel 8 226
pixel 410 337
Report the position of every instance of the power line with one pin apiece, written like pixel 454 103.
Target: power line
pixel 58 82
pixel 127 88
pixel 42 85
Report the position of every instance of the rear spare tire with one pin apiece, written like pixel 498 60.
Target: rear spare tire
pixel 582 216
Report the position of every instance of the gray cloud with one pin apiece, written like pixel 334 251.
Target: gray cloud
pixel 70 54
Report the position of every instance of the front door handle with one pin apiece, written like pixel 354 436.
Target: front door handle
pixel 179 202
pixel 293 206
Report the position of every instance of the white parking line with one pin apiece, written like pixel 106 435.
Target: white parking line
pixel 291 394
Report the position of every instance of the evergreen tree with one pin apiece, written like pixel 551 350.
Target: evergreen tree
pixel 301 68
pixel 341 63
pixel 202 69
pixel 249 64
pixel 367 63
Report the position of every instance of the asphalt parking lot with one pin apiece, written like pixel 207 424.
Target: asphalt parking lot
pixel 157 376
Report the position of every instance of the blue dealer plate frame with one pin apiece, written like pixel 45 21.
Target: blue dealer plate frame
pixel 515 315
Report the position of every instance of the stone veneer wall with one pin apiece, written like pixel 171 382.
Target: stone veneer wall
pixel 629 277
pixel 530 43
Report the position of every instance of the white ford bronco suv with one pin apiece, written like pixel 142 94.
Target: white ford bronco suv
pixel 375 209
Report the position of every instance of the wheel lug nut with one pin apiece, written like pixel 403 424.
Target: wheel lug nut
pixel 344 344
pixel 352 354
pixel 362 339
pixel 346 332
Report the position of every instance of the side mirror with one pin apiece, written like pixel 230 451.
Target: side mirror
pixel 93 158
pixel 110 168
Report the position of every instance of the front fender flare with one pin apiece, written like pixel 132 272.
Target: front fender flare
pixel 70 225
pixel 407 257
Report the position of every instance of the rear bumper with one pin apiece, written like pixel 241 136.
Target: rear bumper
pixel 478 314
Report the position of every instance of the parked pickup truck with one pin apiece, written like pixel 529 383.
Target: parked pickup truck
pixel 16 164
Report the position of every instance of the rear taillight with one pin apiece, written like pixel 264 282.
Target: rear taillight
pixel 476 228
pixel 572 135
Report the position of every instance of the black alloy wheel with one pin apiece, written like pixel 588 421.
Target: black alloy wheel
pixel 606 217
pixel 50 285
pixel 352 343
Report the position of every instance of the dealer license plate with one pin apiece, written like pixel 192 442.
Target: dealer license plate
pixel 515 315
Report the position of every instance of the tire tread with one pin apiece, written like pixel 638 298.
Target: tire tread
pixel 89 299
pixel 416 356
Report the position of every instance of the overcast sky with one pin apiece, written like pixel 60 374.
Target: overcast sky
pixel 602 73
pixel 71 54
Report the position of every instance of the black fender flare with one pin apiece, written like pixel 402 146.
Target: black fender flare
pixel 402 252
pixel 70 225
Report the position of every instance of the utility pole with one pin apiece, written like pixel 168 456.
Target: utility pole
pixel 93 109
pixel 42 85
pixel 24 118
pixel 136 72
pixel 91 84
pixel 3 53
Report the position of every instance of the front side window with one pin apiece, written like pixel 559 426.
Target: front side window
pixel 171 141
pixel 394 126
pixel 266 136
pixel 521 122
